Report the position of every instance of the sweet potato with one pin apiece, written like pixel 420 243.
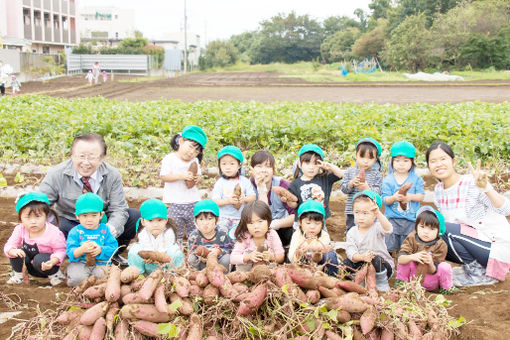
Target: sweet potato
pixel 215 271
pixel 350 302
pixel 110 315
pixel 367 320
pixel 237 195
pixel 144 312
pixel 351 286
pixel 92 314
pixel 386 334
pixel 90 259
pixel 68 316
pixel 129 274
pixel 324 280
pixel 71 335
pixel 237 276
pixel 82 286
pixel 195 290
pixel 99 329
pixel 260 273
pixel 160 299
pixel 303 278
pixel 95 292
pixel 193 168
pixel 187 305
pixel 285 195
pixel 137 284
pixel 125 290
pixel 181 286
pixel 359 278
pixel 226 289
pixel 150 284
pixel 414 330
pixel 330 335
pixel 210 294
pixel 326 292
pixel 195 329
pixel 403 191
pixel 112 291
pixel 155 256
pixel 132 298
pixel 122 330
pixel 281 277
pixel 313 296
pixel 253 300
pixel 371 282
pixel 362 175
pixel 84 332
pixel 146 328
pixel 202 251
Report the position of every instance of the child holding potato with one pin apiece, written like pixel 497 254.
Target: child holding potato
pixel 90 244
pixel 365 241
pixel 155 233
pixel 255 241
pixel 180 172
pixel 311 240
pixel 208 237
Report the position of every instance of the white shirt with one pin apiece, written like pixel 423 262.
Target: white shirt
pixel 177 191
pixel 160 243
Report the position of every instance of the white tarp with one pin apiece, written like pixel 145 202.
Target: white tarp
pixel 433 77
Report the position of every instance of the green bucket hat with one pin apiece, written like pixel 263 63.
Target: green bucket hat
pixel 233 151
pixel 195 133
pixel 206 206
pixel 311 206
pixel 151 209
pixel 440 217
pixel 371 141
pixel 311 148
pixel 88 203
pixel 31 197
pixel 372 195
pixel 403 148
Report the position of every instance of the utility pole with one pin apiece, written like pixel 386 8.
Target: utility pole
pixel 185 39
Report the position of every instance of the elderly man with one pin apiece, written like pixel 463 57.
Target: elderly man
pixel 86 171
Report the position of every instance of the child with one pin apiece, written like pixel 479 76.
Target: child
pixel 89 242
pixel 16 85
pixel 39 245
pixel 104 75
pixel 425 248
pixel 155 233
pixel 207 213
pixel 401 209
pixel 314 178
pixel 90 77
pixel 180 190
pixel 256 242
pixel 365 175
pixel 312 237
pixel 365 241
pixel 230 160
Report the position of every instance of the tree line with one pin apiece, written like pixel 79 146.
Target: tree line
pixel 405 35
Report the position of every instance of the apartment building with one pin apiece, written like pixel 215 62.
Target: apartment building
pixel 106 24
pixel 39 26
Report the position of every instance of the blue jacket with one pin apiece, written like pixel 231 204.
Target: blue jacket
pixel 390 186
pixel 102 236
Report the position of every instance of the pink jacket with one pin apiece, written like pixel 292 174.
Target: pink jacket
pixel 274 245
pixel 52 241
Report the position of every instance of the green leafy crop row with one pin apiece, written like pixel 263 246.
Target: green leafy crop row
pixel 41 129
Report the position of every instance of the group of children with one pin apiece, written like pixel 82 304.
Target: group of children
pixel 91 77
pixel 238 227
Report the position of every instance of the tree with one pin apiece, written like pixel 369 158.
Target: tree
pixel 337 47
pixel 243 41
pixel 363 18
pixel 287 39
pixel 370 44
pixel 379 9
pixel 334 24
pixel 220 54
pixel 484 50
pixel 138 42
pixel 409 45
pixel 430 8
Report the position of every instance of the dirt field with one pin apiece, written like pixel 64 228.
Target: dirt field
pixel 485 308
pixel 254 86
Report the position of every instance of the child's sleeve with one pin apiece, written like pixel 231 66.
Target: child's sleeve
pixel 15 240
pixel 407 247
pixel 439 254
pixel 58 245
pixel 344 186
pixel 350 248
pixel 276 243
pixel 110 246
pixel 237 255
pixel 386 189
pixel 73 242
pixel 165 166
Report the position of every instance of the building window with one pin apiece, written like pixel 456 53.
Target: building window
pixel 46 49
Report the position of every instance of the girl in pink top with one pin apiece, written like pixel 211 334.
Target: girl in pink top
pixel 35 243
pixel 255 241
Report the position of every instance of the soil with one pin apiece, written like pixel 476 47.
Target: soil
pixel 226 86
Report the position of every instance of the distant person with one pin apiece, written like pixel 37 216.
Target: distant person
pixel 104 75
pixel 96 70
pixel 89 77
pixel 87 171
pixel 3 78
pixel 16 85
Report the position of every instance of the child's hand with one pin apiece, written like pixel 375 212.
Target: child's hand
pixel 367 257
pixel 188 176
pixel 96 249
pixel 398 197
pixel 479 175
pixel 17 252
pixel 256 256
pixel 420 257
pixel 427 258
pixel 49 264
pixel 325 166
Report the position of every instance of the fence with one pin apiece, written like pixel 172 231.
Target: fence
pixel 128 63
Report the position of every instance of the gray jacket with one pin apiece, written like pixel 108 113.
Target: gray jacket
pixel 63 191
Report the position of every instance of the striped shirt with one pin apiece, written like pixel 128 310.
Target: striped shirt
pixel 373 178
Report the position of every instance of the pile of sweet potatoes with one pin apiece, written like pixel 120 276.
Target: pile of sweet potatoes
pixel 269 302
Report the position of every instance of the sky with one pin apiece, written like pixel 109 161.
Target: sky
pixel 220 19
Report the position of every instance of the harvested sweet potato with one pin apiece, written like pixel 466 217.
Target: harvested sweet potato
pixel 122 330
pixel 195 290
pixel 125 290
pixel 129 274
pixel 187 306
pixel 303 278
pixel 146 328
pixel 371 282
pixel 215 271
pixel 313 296
pixel 330 335
pixel 112 291
pixel 91 260
pixel 150 284
pixel 160 299
pixel 99 329
pixel 193 168
pixel 144 312
pixel 403 191
pixel 386 334
pixel 350 302
pixel 95 292
pixel 110 315
pixel 137 284
pixel 82 286
pixel 202 251
pixel 367 320
pixel 284 194
pixel 68 316
pixel 195 329
pixel 90 316
pixel 260 273
pixel 253 300
pixel 84 332
pixel 351 286
pixel 333 292
pixel 210 294
pixel 324 280
pixel 237 196
pixel 359 278
pixel 155 256
pixel 181 286
pixel 135 298
pixel 237 276
pixel 414 330
pixel 362 176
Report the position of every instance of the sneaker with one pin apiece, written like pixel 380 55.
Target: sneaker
pixel 57 278
pixel 15 279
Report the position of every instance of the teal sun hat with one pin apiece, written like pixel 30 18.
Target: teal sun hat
pixel 233 151
pixel 31 197
pixel 195 133
pixel 206 206
pixel 372 195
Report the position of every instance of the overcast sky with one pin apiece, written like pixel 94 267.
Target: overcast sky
pixel 219 19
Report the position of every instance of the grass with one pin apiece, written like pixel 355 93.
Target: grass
pixel 331 73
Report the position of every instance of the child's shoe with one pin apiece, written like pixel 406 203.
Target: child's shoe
pixel 15 279
pixel 57 278
pixel 381 279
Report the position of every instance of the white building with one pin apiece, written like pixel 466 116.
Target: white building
pixel 106 23
pixel 175 41
pixel 39 26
